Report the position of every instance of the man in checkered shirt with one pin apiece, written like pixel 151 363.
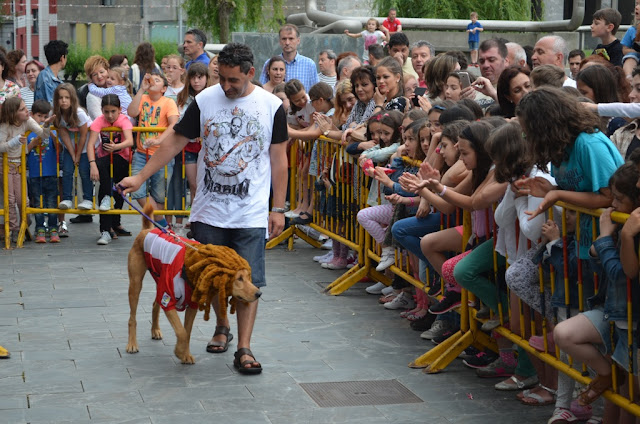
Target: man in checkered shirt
pixel 297 66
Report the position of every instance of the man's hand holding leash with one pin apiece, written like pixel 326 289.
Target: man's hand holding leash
pixel 130 184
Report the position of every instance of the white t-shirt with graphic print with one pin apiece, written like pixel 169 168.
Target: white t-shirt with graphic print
pixel 234 167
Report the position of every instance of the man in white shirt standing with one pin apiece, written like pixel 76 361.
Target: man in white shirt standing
pixel 244 133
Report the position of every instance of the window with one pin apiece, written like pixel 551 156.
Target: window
pixel 108 2
pixel 34 26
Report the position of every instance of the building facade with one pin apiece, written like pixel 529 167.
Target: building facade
pixel 34 24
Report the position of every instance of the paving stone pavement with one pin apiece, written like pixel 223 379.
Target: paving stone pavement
pixel 64 312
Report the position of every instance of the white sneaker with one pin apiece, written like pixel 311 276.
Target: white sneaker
pixel 326 259
pixel 323 258
pixel 401 301
pixel 180 229
pixel 328 245
pixel 387 258
pixel 65 204
pixel 105 238
pixel 376 288
pixel 436 327
pixel 85 205
pixel 387 291
pixel 105 204
pixel 63 231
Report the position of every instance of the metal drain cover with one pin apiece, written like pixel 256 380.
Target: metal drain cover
pixel 359 393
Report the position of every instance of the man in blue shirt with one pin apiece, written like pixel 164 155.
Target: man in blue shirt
pixel 56 52
pixel 193 45
pixel 297 66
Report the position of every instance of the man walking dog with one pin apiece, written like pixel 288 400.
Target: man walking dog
pixel 244 133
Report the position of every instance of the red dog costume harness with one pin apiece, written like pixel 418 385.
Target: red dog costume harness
pixel 164 256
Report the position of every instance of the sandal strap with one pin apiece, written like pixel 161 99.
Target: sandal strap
pixel 244 351
pixel 221 329
pixel 553 392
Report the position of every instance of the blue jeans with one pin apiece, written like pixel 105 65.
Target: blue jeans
pixel 47 187
pixel 247 242
pixel 156 182
pixel 409 230
pixel 68 168
pixel 177 188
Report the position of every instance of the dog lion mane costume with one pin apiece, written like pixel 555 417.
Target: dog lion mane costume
pixel 210 268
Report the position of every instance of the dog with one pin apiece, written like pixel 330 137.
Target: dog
pixel 188 275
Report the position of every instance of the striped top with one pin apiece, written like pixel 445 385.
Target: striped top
pixel 327 80
pixel 27 95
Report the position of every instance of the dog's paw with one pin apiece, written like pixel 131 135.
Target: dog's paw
pixel 188 359
pixel 184 355
pixel 156 334
pixel 132 348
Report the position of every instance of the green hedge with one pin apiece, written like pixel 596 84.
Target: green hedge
pixel 78 55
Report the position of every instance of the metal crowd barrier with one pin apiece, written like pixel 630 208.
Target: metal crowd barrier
pixel 345 229
pixel 27 209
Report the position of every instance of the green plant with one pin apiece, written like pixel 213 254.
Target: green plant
pixel 220 17
pixel 513 10
pixel 163 48
pixel 79 54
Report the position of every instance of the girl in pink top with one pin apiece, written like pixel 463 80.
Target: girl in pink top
pixel 114 149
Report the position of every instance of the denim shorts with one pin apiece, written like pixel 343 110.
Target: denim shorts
pixel 621 352
pixel 156 183
pixel 473 45
pixel 247 242
pixel 596 316
pixel 190 157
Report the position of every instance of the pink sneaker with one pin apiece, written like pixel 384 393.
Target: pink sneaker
pixel 583 413
pixel 336 263
pixel 537 342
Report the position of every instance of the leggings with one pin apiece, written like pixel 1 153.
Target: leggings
pixel 15 194
pixel 470 273
pixel 120 171
pixel 375 220
pixel 447 272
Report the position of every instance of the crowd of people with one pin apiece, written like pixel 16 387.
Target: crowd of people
pixel 522 136
pixel 64 165
pixel 433 139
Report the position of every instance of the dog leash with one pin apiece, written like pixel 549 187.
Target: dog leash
pixel 117 188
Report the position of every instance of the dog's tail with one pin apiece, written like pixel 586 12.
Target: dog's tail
pixel 148 210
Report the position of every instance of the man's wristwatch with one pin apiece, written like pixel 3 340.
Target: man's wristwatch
pixel 278 210
pixel 326 133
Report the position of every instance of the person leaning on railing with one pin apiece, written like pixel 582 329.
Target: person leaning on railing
pixel 14 123
pixel 579 149
pixel 113 151
pixel 42 181
pixel 589 337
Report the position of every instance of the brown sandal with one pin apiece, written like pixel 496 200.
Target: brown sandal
pixel 598 385
pixel 242 366
pixel 212 345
